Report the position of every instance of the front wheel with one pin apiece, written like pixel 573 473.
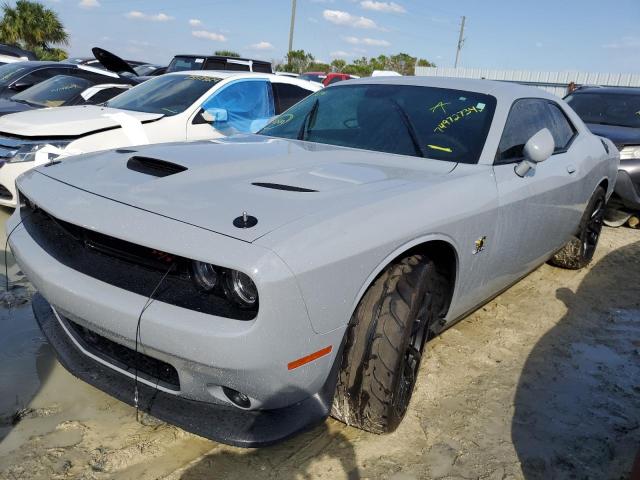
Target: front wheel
pixel 385 342
pixel 579 251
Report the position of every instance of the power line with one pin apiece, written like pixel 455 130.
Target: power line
pixel 460 41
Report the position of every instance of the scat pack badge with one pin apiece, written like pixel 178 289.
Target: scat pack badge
pixel 479 244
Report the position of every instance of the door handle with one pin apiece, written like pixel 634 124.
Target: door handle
pixel 571 169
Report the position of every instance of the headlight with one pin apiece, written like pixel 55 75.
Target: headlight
pixel 241 289
pixel 235 285
pixel 628 153
pixel 27 153
pixel 205 276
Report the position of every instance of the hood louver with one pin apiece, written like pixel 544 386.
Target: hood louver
pixel 279 186
pixel 154 167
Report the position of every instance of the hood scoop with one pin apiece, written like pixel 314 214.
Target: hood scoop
pixel 280 186
pixel 153 166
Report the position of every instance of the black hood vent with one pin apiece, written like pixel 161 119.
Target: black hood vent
pixel 279 186
pixel 154 167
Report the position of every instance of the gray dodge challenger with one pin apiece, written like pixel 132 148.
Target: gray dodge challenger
pixel 246 288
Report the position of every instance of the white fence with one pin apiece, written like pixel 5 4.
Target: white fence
pixel 554 82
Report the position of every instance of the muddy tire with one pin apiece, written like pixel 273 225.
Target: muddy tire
pixel 384 344
pixel 578 252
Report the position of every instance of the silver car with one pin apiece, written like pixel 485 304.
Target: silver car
pixel 247 288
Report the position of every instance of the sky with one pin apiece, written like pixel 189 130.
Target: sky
pixel 548 35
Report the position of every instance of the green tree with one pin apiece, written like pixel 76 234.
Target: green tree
pixel 360 66
pixel 318 67
pixel 227 53
pixel 338 64
pixel 298 61
pixel 35 27
pixel 424 63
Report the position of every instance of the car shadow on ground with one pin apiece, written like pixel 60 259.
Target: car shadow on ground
pixel 323 451
pixel 577 404
pixel 26 360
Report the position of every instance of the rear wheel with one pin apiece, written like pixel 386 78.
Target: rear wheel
pixel 579 251
pixel 385 342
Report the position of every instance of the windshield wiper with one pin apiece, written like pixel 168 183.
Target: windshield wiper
pixel 304 128
pixel 24 102
pixel 409 126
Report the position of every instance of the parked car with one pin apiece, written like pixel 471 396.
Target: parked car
pixel 150 70
pixel 242 288
pixel 317 77
pixel 12 54
pixel 94 62
pixel 217 62
pixel 64 90
pixel 614 112
pixel 16 77
pixel 174 107
pixel 326 79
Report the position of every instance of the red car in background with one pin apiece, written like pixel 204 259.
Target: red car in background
pixel 326 78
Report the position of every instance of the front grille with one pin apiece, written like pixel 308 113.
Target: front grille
pixel 5 194
pixel 148 368
pixel 126 265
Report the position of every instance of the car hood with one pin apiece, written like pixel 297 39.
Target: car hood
pixel 210 184
pixel 72 121
pixel 619 135
pixel 112 62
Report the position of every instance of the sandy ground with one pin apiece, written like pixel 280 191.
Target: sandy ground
pixel 541 383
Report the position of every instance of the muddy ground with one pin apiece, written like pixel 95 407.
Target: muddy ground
pixel 541 383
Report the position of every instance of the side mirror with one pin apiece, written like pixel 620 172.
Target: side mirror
pixel 20 86
pixel 537 149
pixel 215 115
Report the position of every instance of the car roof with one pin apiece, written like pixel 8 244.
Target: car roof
pixel 608 90
pixel 224 74
pixel 220 57
pixel 501 90
pixel 44 63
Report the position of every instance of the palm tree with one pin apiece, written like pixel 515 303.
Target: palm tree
pixel 33 26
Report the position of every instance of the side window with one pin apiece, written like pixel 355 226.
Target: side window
pixel 248 105
pixel 560 127
pixel 526 118
pixel 287 95
pixel 215 64
pixel 104 95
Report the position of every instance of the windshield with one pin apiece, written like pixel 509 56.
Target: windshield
pixel 179 64
pixel 313 77
pixel 169 94
pixel 10 72
pixel 620 109
pixel 428 122
pixel 55 92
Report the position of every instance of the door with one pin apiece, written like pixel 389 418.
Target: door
pixel 247 105
pixel 537 213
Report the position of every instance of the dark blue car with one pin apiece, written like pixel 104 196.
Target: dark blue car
pixel 614 112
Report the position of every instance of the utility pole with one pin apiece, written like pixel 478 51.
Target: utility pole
pixel 293 21
pixel 460 40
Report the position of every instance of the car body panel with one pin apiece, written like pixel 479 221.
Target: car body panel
pixel 312 254
pixel 67 122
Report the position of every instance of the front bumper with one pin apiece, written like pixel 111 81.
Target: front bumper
pixel 242 428
pixel 208 352
pixel 627 191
